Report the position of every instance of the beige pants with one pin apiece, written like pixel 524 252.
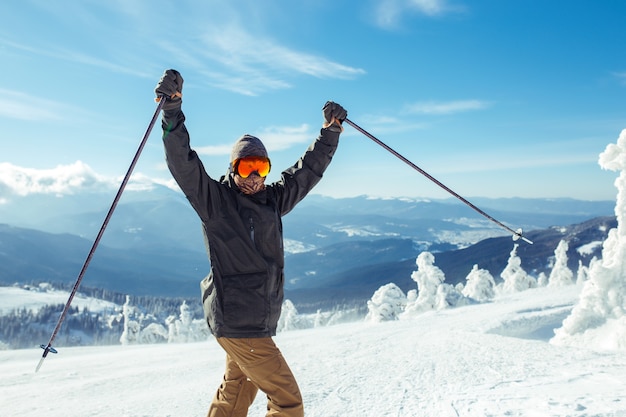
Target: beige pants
pixel 253 364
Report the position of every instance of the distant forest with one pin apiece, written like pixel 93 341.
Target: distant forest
pixel 26 329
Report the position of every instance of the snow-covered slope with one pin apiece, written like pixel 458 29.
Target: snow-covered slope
pixel 490 359
pixel 34 298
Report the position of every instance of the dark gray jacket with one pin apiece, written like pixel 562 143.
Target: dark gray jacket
pixel 243 293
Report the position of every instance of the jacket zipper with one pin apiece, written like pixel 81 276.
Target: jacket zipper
pixel 252 229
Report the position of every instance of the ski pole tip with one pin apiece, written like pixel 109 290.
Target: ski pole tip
pixel 46 349
pixel 518 235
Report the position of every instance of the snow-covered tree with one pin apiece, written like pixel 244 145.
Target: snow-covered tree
pixel 560 275
pixel 289 318
pixel 542 280
pixel 582 273
pixel 598 320
pixel 514 276
pixel 386 304
pixel 181 330
pixel 449 296
pixel 480 285
pixel 153 333
pixel 318 319
pixel 130 334
pixel 428 278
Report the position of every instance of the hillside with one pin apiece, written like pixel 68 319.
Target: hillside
pixel 344 273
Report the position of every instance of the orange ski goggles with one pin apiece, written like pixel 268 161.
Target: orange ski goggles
pixel 249 164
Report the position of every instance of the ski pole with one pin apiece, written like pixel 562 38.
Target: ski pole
pixel 48 348
pixel 517 234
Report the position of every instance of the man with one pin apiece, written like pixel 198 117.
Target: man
pixel 241 218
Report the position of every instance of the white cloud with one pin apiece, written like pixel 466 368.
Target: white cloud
pixel 63 179
pixel 247 53
pixel 433 107
pixel 429 7
pixel 22 106
pixel 382 125
pixel 389 13
pixel 213 150
pixel 278 138
pixel 142 182
pixel 17 105
pixel 69 179
pixel 216 39
pixel 76 57
pixel 250 64
pixel 275 138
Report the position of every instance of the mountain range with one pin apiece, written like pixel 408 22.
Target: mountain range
pixel 339 251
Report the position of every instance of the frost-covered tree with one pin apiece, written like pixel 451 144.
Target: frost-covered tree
pixel 560 275
pixel 542 280
pixel 289 318
pixel 343 316
pixel 130 334
pixel 386 304
pixel 181 330
pixel 582 273
pixel 480 285
pixel 514 276
pixel 598 320
pixel 318 319
pixel 449 296
pixel 428 278
pixel 153 333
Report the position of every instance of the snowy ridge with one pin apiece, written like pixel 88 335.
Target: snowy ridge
pixel 34 298
pixel 446 363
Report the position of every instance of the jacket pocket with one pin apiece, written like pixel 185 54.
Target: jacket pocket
pixel 245 301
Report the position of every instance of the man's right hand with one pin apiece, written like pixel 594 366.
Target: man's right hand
pixel 171 86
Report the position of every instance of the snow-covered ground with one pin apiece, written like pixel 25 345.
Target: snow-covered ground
pixel 490 359
pixel 32 299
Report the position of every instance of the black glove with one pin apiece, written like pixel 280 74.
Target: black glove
pixel 334 115
pixel 171 86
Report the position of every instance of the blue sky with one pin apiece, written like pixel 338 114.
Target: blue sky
pixel 493 98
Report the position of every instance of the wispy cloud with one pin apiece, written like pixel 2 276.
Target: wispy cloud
pixel 242 51
pixel 17 105
pixel 75 57
pixel 503 161
pixel 26 107
pixel 275 138
pixel 449 107
pixel 278 138
pixel 215 39
pixel 250 64
pixel 389 13
pixel 621 77
pixel 381 124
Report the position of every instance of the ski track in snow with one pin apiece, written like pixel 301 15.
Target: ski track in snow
pixel 489 359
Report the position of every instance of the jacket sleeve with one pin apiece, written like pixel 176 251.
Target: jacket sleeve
pixel 184 164
pixel 297 181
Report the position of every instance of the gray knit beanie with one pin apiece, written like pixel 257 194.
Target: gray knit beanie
pixel 248 145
